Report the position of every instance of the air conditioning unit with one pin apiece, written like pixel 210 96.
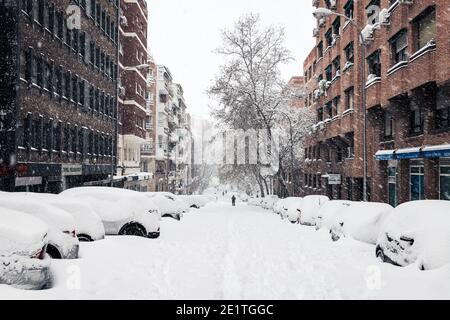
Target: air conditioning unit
pixel 122 91
pixel 123 20
pixel 322 22
pixel 367 33
pixel 333 4
pixel 384 17
pixel 408 2
pixel 316 32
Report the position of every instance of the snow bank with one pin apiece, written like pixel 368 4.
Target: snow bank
pixel 310 208
pixel 427 223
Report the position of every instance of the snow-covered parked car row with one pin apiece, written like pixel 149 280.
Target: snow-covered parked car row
pixel 36 227
pixel 414 232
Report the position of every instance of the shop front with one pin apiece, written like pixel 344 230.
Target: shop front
pixel 417 173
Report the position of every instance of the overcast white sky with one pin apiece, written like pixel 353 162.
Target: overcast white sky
pixel 183 34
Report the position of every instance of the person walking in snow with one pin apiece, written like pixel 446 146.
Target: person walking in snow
pixel 233 200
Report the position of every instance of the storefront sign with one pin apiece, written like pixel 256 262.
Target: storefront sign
pixel 28 181
pixel 334 179
pixel 71 170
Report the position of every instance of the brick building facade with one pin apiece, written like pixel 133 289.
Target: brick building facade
pixel 408 102
pixel 133 83
pixel 58 93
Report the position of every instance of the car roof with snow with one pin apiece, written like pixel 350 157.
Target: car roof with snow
pixel 52 215
pixel 20 228
pixel 416 215
pixel 113 204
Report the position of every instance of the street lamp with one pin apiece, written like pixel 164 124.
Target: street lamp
pixel 321 13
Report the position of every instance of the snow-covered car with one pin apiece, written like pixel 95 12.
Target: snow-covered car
pixel 290 209
pixel 361 221
pixel 269 201
pixel 88 224
pixel 197 201
pixel 23 261
pixel 123 212
pixel 328 211
pixel 310 208
pixel 62 238
pixel 416 232
pixel 168 205
pixel 254 202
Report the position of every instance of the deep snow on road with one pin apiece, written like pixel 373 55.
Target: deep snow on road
pixel 243 252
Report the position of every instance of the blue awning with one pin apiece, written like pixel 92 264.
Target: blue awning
pixel 440 151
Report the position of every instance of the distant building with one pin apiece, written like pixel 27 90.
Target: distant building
pixel 133 68
pixel 58 94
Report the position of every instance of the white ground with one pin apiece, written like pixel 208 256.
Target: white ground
pixel 221 252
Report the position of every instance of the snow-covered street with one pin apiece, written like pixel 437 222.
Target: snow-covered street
pixel 243 252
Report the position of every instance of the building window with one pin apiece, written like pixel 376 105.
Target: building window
pixel 374 64
pixel 392 186
pixel 320 49
pixel 416 115
pixel 425 28
pixel 320 114
pixel 56 136
pixel 399 46
pixel 337 66
pixel 349 183
pixel 349 99
pixel 442 112
pixel 329 73
pixel 339 154
pixel 444 179
pixel 388 126
pixel 336 110
pixel 329 110
pixel 329 38
pixel 417 182
pixel 348 7
pixel 337 26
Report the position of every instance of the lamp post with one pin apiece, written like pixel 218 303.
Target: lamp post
pixel 320 13
pixel 292 150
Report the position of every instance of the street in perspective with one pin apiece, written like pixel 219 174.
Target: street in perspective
pixel 225 150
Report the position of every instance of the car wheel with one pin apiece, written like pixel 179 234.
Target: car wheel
pixel 133 229
pixel 380 255
pixel 154 235
pixel 84 238
pixel 53 252
pixel 334 236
